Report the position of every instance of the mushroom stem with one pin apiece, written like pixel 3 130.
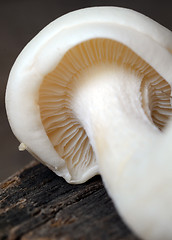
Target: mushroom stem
pixel 107 102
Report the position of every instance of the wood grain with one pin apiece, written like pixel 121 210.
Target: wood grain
pixel 35 204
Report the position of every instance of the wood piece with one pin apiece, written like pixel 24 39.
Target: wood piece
pixel 37 204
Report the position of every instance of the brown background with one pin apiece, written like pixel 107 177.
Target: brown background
pixel 20 21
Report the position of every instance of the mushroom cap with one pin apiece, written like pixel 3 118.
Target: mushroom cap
pixel 45 52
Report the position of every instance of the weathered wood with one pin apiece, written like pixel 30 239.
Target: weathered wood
pixel 37 204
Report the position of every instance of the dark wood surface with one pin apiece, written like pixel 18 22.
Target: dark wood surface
pixel 37 204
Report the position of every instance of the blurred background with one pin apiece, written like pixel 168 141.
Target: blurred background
pixel 20 21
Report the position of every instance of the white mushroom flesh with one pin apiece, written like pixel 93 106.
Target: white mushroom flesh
pixel 93 95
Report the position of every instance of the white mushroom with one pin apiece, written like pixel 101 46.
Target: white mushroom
pixel 95 85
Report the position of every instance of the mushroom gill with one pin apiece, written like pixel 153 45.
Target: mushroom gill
pixel 61 124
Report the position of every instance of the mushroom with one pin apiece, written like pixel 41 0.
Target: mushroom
pixel 91 92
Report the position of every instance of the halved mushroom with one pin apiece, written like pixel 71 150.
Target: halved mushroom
pixel 93 89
